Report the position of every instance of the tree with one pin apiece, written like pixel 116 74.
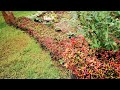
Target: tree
pixel 9 17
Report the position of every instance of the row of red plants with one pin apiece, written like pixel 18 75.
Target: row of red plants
pixel 84 62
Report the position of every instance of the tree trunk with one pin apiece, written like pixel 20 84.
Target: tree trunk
pixel 9 17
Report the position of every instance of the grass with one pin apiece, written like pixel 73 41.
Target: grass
pixel 21 57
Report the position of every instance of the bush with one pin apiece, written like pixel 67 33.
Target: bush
pixel 99 26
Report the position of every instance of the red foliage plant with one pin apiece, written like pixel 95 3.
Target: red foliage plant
pixel 85 65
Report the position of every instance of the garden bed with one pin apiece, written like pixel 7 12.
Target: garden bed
pixel 74 51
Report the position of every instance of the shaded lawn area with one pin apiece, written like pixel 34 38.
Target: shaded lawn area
pixel 21 57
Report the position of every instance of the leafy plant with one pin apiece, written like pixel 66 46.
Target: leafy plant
pixel 85 64
pixel 98 26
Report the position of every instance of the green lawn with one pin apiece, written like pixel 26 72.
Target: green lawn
pixel 21 57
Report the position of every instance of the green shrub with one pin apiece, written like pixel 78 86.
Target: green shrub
pixel 101 27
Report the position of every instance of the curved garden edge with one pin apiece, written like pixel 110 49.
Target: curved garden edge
pixel 56 48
